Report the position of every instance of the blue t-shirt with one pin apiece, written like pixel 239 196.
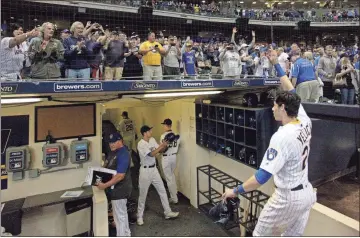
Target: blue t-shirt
pixel 122 159
pixel 317 59
pixel 303 71
pixel 357 65
pixel 188 59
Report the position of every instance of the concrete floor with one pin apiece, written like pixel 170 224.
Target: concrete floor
pixel 341 195
pixel 191 222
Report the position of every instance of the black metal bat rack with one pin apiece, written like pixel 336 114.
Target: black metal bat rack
pixel 257 199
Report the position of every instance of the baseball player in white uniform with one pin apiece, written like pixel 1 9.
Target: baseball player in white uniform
pixel 127 129
pixel 169 161
pixel 148 148
pixel 287 211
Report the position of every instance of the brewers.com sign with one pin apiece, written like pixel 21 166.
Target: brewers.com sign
pixel 201 84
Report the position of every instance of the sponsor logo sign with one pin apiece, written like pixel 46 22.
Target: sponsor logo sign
pixel 9 88
pixel 240 83
pixel 269 82
pixel 78 87
pixel 197 84
pixel 144 86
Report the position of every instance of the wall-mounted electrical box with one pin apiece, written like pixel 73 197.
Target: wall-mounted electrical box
pixel 54 154
pixel 18 159
pixel 79 151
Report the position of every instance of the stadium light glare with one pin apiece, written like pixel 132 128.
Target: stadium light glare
pixel 180 94
pixel 21 100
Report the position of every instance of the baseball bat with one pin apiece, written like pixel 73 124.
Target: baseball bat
pixel 245 218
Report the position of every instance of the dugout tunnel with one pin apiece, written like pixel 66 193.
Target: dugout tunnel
pixel 184 111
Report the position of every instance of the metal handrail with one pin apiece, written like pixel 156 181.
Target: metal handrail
pixel 164 77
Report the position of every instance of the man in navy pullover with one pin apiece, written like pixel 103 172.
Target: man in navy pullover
pixel 76 53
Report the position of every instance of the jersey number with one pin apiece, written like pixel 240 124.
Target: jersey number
pixel 129 127
pixel 305 155
pixel 174 144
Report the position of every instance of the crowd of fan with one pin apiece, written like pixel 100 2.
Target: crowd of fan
pixel 90 52
pixel 296 15
pixel 225 9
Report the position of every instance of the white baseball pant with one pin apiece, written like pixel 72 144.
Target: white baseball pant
pixel 286 213
pixel 169 165
pixel 147 177
pixel 121 217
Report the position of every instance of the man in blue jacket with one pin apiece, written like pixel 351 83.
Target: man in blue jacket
pixel 76 53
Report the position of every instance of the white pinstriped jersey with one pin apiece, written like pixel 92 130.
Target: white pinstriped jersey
pixel 127 128
pixel 11 59
pixel 172 147
pixel 144 149
pixel 288 151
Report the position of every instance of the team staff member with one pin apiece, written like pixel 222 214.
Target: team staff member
pixel 148 148
pixel 169 161
pixel 122 181
pixel 152 52
pixel 305 80
pixel 287 211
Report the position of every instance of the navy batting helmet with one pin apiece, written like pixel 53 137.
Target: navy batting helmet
pixel 267 98
pixel 250 100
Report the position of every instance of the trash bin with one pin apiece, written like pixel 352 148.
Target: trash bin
pixel 78 217
pixel 11 216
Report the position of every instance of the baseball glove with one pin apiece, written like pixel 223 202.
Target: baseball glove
pixel 171 137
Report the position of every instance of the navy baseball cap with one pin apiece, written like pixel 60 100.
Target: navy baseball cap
pixel 113 137
pixel 167 122
pixel 344 55
pixel 66 31
pixel 144 129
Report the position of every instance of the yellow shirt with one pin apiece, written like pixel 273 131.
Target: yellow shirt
pixel 151 58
